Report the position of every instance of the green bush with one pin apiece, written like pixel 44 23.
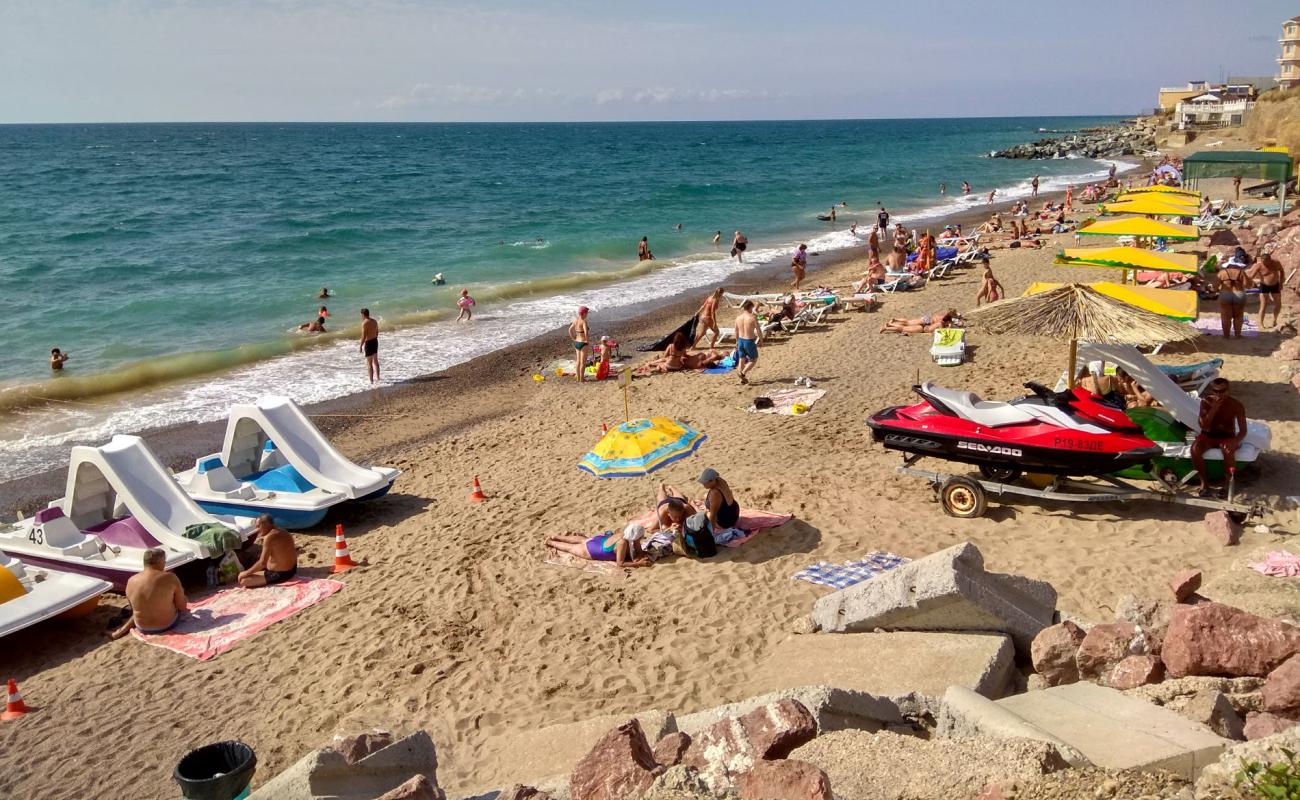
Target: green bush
pixel 1278 781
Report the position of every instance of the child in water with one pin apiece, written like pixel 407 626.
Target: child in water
pixel 466 303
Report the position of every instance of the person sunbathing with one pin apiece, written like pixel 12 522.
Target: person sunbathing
pixel 678 357
pixel 278 561
pixel 156 596
pixel 926 324
pixel 671 508
pixel 625 550
pixel 873 277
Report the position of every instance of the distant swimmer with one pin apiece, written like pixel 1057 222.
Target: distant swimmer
pixel 323 312
pixel 832 213
pixel 315 326
pixel 466 304
pixel 943 189
pixel 57 358
pixel 679 226
pixel 324 293
pixel 370 344
pixel 738 244
pixel 643 250
pixel 438 280
pixel 844 204
pixel 965 187
pixel 853 228
pixel 717 237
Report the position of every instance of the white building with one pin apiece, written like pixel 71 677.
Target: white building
pixel 1210 110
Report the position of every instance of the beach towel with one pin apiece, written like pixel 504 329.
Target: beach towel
pixel 215 537
pixel 725 365
pixel 750 523
pixel 217 622
pixel 1279 564
pixel 840 576
pixel 565 366
pixel 783 400
pixel 1211 324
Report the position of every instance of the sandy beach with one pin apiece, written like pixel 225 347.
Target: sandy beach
pixel 457 626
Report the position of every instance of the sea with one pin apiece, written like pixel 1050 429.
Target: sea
pixel 175 262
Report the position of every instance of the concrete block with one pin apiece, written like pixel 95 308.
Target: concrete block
pixel 833 708
pixel 890 664
pixel 1118 731
pixel 965 714
pixel 946 591
pixel 325 774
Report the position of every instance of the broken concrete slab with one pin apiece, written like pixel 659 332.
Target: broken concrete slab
pixel 326 774
pixel 1117 731
pixel 890 664
pixel 946 591
pixel 966 714
pixel 833 708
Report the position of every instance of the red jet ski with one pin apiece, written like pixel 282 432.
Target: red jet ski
pixel 1059 433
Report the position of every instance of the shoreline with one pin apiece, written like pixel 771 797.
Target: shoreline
pixel 178 445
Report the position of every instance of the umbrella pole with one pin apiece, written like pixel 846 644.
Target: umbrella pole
pixel 1069 372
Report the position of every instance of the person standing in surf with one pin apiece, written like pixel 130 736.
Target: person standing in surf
pixel 466 304
pixel 943 189
pixel 370 344
pixel 643 250
pixel 738 244
pixel 717 237
pixel 882 218
pixel 578 333
pixel 965 187
pixel 1033 187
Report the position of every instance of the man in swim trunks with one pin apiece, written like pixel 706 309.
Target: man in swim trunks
pixel 278 561
pixel 578 333
pixel 720 504
pixel 57 358
pixel 1033 187
pixel 882 219
pixel 1268 274
pixel 625 551
pixel 370 344
pixel 1231 279
pixel 738 244
pixel 746 340
pixel 799 265
pixel 156 596
pixel 1222 420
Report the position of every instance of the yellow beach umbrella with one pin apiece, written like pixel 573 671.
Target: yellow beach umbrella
pixel 1152 205
pixel 1128 258
pixel 1167 190
pixel 1172 303
pixel 1140 226
pixel 1180 200
pixel 639 446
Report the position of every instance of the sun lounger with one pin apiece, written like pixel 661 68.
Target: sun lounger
pixel 737 300
pixel 949 347
pixel 863 300
pixel 808 315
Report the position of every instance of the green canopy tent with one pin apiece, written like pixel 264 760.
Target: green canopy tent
pixel 1260 164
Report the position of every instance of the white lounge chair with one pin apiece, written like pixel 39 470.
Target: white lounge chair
pixel 949 347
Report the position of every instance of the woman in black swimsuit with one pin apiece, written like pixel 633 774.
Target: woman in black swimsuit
pixel 720 503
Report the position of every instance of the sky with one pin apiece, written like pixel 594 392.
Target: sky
pixel 543 60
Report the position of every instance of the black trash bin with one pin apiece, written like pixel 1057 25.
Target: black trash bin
pixel 220 771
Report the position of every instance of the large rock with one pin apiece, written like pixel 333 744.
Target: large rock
pixel 1135 671
pixel 354 748
pixel 620 767
pixel 1222 527
pixel 1214 639
pixel 1212 709
pixel 669 750
pixel 1054 650
pixel 326 773
pixel 1150 616
pixel 677 781
pixel 1218 780
pixel 1282 687
pixel 1261 724
pixel 890 664
pixel 1184 584
pixel 1105 646
pixel 520 792
pixel 733 746
pixel 417 788
pixel 949 590
pixel 784 780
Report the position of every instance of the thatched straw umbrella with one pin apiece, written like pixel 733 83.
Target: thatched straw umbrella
pixel 1073 312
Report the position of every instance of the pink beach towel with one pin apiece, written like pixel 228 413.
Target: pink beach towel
pixel 217 622
pixel 1279 564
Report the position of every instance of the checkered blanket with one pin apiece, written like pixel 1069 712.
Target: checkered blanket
pixel 841 576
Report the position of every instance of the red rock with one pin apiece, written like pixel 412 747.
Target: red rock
pixel 1288 350
pixel 730 747
pixel 1223 528
pixel 1260 724
pixel 778 728
pixel 355 748
pixel 784 780
pixel 1105 646
pixel 518 792
pixel 1214 639
pixel 670 749
pixel 620 766
pixel 1135 671
pixel 417 788
pixel 1185 584
pixel 1281 690
pixel 1053 652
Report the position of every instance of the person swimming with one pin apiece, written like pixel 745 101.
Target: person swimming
pixel 324 293
pixel 438 280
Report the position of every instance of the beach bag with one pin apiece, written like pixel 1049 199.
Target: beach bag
pixel 699 541
pixel 228 568
pixel 762 402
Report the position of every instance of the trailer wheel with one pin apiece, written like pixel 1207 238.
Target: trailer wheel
pixel 962 497
pixel 1000 474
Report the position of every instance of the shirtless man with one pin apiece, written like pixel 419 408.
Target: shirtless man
pixel 746 340
pixel 707 319
pixel 156 596
pixel 315 326
pixel 370 344
pixel 1033 187
pixel 717 237
pixel 738 244
pixel 578 333
pixel 873 243
pixel 873 277
pixel 1231 279
pixel 799 265
pixel 1268 273
pixel 1222 420
pixel 57 358
pixel 1069 198
pixel 279 560
pixel 671 509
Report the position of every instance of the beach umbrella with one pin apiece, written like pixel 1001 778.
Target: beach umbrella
pixel 1134 258
pixel 640 446
pixel 1151 205
pixel 1173 303
pixel 1072 312
pixel 1166 190
pixel 1140 226
pixel 1177 200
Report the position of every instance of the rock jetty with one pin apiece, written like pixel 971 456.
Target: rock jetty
pixel 1111 141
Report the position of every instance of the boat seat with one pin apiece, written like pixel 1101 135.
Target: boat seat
pixel 221 482
pixel 968 405
pixel 57 532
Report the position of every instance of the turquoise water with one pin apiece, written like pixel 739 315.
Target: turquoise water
pixel 174 261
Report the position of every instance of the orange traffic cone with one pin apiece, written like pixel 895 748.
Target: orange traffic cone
pixel 14 705
pixel 342 560
pixel 604 429
pixel 477 495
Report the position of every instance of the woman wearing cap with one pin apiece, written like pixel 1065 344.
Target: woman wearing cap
pixel 624 551
pixel 720 503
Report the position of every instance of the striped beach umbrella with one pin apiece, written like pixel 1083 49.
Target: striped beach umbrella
pixel 640 446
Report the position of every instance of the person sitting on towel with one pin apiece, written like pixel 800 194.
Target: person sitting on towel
pixel 720 503
pixel 624 551
pixel 671 509
pixel 278 561
pixel 156 596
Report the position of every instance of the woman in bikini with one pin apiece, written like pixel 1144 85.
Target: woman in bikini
pixel 926 324
pixel 1231 280
pixel 1267 274
pixel 990 289
pixel 677 357
pixel 707 319
pixel 625 550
